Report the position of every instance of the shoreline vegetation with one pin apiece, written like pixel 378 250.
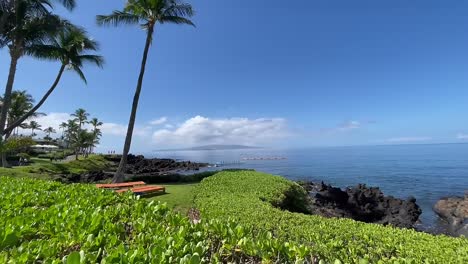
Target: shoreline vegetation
pixel 361 203
pixel 238 216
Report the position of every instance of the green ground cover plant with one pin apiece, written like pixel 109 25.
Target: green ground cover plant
pixel 255 200
pixel 49 222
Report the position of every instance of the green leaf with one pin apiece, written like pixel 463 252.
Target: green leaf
pixel 74 258
pixel 10 240
pixel 195 259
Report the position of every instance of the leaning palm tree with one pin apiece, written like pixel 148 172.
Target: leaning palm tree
pixel 81 116
pixel 25 24
pixel 69 47
pixel 33 125
pixel 146 13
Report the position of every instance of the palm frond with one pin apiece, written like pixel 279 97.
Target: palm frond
pixel 180 10
pixel 176 20
pixel 80 73
pixel 94 59
pixel 117 18
pixel 45 52
pixel 68 4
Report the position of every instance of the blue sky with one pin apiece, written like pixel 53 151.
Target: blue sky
pixel 312 73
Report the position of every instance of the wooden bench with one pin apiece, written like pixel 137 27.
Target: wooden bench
pixel 143 190
pixel 120 185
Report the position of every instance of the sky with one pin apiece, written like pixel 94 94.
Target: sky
pixel 267 73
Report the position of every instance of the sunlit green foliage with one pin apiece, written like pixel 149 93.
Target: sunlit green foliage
pixel 252 198
pixel 16 144
pixel 48 222
pixel 45 169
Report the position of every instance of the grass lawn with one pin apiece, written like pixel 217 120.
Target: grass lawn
pixel 44 169
pixel 178 196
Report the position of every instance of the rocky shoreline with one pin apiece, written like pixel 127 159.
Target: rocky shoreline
pixel 454 211
pixel 361 203
pixel 137 165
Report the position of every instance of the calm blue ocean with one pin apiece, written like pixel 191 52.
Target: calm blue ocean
pixel 427 172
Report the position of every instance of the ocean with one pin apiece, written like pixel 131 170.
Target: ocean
pixel 427 172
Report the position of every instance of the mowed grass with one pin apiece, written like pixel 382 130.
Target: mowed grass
pixel 178 196
pixel 45 169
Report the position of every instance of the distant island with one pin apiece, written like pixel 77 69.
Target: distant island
pixel 213 147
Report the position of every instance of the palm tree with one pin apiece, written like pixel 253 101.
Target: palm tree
pixel 25 24
pixel 69 47
pixel 33 125
pixel 72 128
pixel 81 141
pixel 96 131
pixel 81 116
pixel 21 103
pixel 147 14
pixel 95 123
pixel 49 130
pixel 63 126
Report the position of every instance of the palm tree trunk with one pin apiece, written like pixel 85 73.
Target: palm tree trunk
pixel 19 121
pixel 4 154
pixel 7 96
pixel 119 175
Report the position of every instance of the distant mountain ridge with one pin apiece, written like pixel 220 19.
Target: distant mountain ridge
pixel 214 147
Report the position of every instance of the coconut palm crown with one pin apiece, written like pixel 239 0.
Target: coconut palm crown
pixel 147 13
pixel 71 48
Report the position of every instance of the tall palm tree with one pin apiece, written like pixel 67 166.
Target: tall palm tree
pixel 63 126
pixel 33 125
pixel 72 127
pixel 69 47
pixel 25 24
pixel 81 116
pixel 146 13
pixel 96 132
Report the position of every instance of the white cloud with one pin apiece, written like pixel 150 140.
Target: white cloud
pixel 350 125
pixel 462 136
pixel 408 139
pixel 168 126
pixel 159 121
pixel 50 120
pixel 201 130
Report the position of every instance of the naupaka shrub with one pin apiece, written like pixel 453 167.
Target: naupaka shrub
pixel 48 222
pixel 254 200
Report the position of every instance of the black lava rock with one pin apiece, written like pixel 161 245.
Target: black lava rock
pixel 362 203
